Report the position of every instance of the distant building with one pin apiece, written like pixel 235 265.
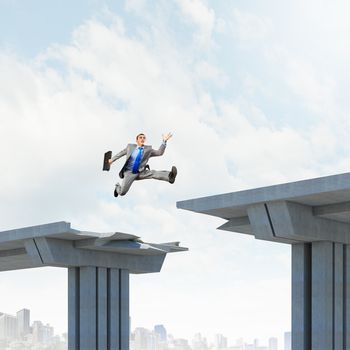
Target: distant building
pixel 220 342
pixel 181 344
pixel 161 332
pixel 23 323
pixel 141 338
pixel 273 344
pixel 240 342
pixel 287 341
pixel 199 342
pixel 8 327
pixel 42 333
pixel 249 347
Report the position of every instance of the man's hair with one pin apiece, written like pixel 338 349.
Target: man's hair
pixel 140 135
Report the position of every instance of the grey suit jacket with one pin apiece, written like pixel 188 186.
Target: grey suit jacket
pixel 148 152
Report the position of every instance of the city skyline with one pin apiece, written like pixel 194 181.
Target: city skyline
pixel 17 332
pixel 160 339
pixel 24 328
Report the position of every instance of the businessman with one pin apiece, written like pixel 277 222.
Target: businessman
pixel 136 167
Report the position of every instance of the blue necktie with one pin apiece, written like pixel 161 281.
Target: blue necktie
pixel 137 163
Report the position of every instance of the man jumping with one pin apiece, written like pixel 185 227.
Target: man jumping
pixel 136 168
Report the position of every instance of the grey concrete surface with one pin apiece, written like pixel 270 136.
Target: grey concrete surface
pixel 314 217
pixel 98 265
pixel 99 300
pixel 301 296
pixel 321 191
pixel 58 244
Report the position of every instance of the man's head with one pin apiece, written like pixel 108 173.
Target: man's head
pixel 140 139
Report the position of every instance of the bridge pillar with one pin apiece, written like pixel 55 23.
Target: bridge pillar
pixel 320 296
pixel 98 308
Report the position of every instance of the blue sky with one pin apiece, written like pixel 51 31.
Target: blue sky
pixel 30 27
pixel 255 94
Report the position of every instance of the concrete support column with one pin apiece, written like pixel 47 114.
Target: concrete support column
pixel 301 296
pixel 98 308
pixel 323 301
pixel 320 296
pixel 339 296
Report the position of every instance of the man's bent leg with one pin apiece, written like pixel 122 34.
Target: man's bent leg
pixel 129 178
pixel 154 174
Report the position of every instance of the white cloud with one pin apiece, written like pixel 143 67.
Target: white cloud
pixel 202 16
pixel 249 27
pixel 208 72
pixel 220 26
pixel 314 88
pixel 135 5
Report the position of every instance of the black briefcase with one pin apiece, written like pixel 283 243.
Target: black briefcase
pixel 107 157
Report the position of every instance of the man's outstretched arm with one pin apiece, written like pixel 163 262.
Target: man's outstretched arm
pixel 162 147
pixel 117 156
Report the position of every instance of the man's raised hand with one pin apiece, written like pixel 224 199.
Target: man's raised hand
pixel 167 136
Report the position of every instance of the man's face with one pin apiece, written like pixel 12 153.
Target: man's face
pixel 141 140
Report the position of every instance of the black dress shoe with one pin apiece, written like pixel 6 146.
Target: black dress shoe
pixel 172 174
pixel 115 193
